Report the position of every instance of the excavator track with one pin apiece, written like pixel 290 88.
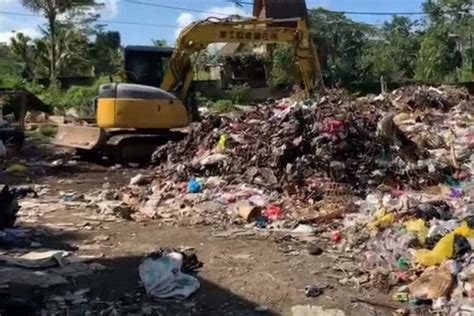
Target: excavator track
pixel 137 147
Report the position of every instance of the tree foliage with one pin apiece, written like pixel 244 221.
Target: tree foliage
pixel 52 9
pixel 393 53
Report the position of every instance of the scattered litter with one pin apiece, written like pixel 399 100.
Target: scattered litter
pixel 308 310
pixel 37 259
pixel 139 179
pixel 163 279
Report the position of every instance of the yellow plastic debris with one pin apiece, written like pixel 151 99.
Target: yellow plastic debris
pixel 444 248
pixel 382 221
pixel 418 227
pixel 17 170
pixel 222 144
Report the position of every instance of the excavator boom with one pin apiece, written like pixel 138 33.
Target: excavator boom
pixel 133 119
pixel 199 35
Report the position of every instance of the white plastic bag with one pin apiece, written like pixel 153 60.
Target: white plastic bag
pixel 163 279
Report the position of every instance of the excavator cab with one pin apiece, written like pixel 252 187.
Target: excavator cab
pixel 146 65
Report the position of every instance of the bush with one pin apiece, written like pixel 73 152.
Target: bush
pixel 223 106
pixel 240 94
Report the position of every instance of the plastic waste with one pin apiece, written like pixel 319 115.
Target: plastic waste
pixel 313 290
pixel 336 237
pixel 222 144
pixel 436 209
pixel 444 249
pixel 382 221
pixel 194 186
pixel 403 264
pixel 461 246
pixel 303 230
pixel 418 227
pixel 273 213
pixel 261 222
pixel 163 279
pixel 401 297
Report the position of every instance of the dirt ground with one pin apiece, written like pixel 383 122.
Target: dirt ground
pixel 241 276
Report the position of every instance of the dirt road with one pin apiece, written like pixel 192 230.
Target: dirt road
pixel 246 275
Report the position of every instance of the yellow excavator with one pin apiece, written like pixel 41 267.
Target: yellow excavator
pixel 133 119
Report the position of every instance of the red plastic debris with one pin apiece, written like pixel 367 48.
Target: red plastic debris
pixel 273 212
pixel 336 237
pixel 334 127
pixel 402 276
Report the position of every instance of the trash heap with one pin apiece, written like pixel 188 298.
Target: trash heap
pixel 297 146
pixel 387 181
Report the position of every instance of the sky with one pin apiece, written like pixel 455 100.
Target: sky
pixel 171 21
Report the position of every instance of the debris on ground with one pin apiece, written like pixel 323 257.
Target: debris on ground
pixel 309 310
pixel 379 188
pixel 388 180
pixel 164 278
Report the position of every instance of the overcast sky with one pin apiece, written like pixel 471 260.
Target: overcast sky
pixel 172 20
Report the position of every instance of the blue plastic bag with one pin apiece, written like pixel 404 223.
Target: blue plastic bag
pixel 194 186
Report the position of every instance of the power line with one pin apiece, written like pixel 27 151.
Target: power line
pixel 136 23
pixel 366 12
pixel 99 21
pixel 164 6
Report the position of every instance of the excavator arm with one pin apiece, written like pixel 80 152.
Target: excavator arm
pixel 198 35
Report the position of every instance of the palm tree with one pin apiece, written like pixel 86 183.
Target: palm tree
pixel 22 47
pixel 71 52
pixel 51 9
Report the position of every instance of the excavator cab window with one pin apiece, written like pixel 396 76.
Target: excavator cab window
pixel 146 65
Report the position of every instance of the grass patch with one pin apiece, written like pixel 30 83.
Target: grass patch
pixel 223 106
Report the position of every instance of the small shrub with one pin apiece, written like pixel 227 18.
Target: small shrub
pixel 240 94
pixel 223 106
pixel 48 130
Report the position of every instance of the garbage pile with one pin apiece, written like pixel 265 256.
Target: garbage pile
pixel 299 146
pixel 388 180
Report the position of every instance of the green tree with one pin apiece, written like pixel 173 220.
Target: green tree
pixel 22 47
pixel 393 53
pixel 284 73
pixel 446 47
pixel 341 42
pixel 72 52
pixel 52 9
pixel 106 53
pixel 437 60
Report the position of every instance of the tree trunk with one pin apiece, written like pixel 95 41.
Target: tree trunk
pixel 52 30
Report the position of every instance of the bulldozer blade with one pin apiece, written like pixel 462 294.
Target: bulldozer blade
pixel 80 137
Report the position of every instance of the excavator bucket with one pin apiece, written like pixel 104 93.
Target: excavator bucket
pixel 80 137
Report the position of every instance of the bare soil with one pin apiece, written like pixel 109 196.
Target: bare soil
pixel 239 277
